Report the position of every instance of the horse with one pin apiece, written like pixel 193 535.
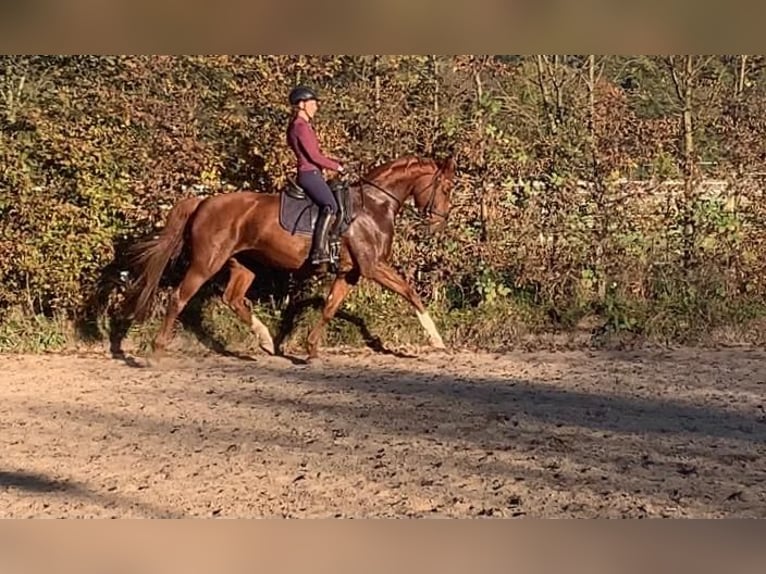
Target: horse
pixel 232 228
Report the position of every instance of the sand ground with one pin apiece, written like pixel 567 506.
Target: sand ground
pixel 649 433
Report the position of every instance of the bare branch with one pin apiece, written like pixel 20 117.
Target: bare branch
pixel 670 61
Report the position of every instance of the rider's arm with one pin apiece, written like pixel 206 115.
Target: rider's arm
pixel 308 142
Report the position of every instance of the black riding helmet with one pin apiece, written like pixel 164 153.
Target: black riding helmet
pixel 301 94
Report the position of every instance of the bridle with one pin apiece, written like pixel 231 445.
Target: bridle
pixel 429 209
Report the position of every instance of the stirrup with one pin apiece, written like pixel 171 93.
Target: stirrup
pixel 334 251
pixel 331 256
pixel 320 258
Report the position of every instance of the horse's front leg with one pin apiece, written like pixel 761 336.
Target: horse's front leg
pixel 386 276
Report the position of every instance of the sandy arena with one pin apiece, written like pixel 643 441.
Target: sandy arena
pixel 651 433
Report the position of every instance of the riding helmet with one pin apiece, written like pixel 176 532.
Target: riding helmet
pixel 301 94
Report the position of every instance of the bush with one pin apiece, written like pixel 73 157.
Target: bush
pixel 545 233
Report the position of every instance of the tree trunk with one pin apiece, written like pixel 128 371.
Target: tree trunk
pixel 542 62
pixel 603 217
pixel 684 78
pixel 742 74
pixel 435 69
pixel 376 72
pixel 483 211
pixel 688 126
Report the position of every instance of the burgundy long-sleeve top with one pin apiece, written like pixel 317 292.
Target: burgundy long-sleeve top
pixel 303 141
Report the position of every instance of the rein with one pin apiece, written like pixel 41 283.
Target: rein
pixel 429 208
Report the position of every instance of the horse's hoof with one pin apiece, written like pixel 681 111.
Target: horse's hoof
pixel 268 347
pixel 157 351
pixel 154 358
pixel 313 354
pixel 312 349
pixel 437 343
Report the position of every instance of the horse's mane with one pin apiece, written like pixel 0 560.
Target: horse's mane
pixel 402 163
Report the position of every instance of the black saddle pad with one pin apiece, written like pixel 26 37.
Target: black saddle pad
pixel 298 216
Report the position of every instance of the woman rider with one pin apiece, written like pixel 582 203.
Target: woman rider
pixel 310 161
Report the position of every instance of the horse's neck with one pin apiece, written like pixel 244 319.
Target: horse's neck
pixel 400 187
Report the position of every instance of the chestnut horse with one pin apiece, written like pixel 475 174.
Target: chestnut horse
pixel 222 228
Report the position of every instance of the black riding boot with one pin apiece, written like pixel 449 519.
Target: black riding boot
pixel 319 251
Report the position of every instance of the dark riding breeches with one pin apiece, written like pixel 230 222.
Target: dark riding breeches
pixel 318 190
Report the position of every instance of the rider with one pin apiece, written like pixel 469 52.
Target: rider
pixel 310 162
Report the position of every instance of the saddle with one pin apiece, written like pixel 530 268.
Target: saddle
pixel 298 213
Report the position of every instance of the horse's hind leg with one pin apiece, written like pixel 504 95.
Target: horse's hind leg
pixel 194 278
pixel 240 279
pixel 389 278
pixel 338 290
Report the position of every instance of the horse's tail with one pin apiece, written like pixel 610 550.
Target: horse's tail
pixel 151 257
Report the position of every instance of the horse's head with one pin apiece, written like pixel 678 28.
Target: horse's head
pixel 432 191
pixel 428 181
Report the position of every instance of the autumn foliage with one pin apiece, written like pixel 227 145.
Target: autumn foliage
pixel 572 202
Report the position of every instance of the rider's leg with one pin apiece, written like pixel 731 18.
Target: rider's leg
pixel 318 190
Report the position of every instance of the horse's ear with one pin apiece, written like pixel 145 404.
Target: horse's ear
pixel 449 165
